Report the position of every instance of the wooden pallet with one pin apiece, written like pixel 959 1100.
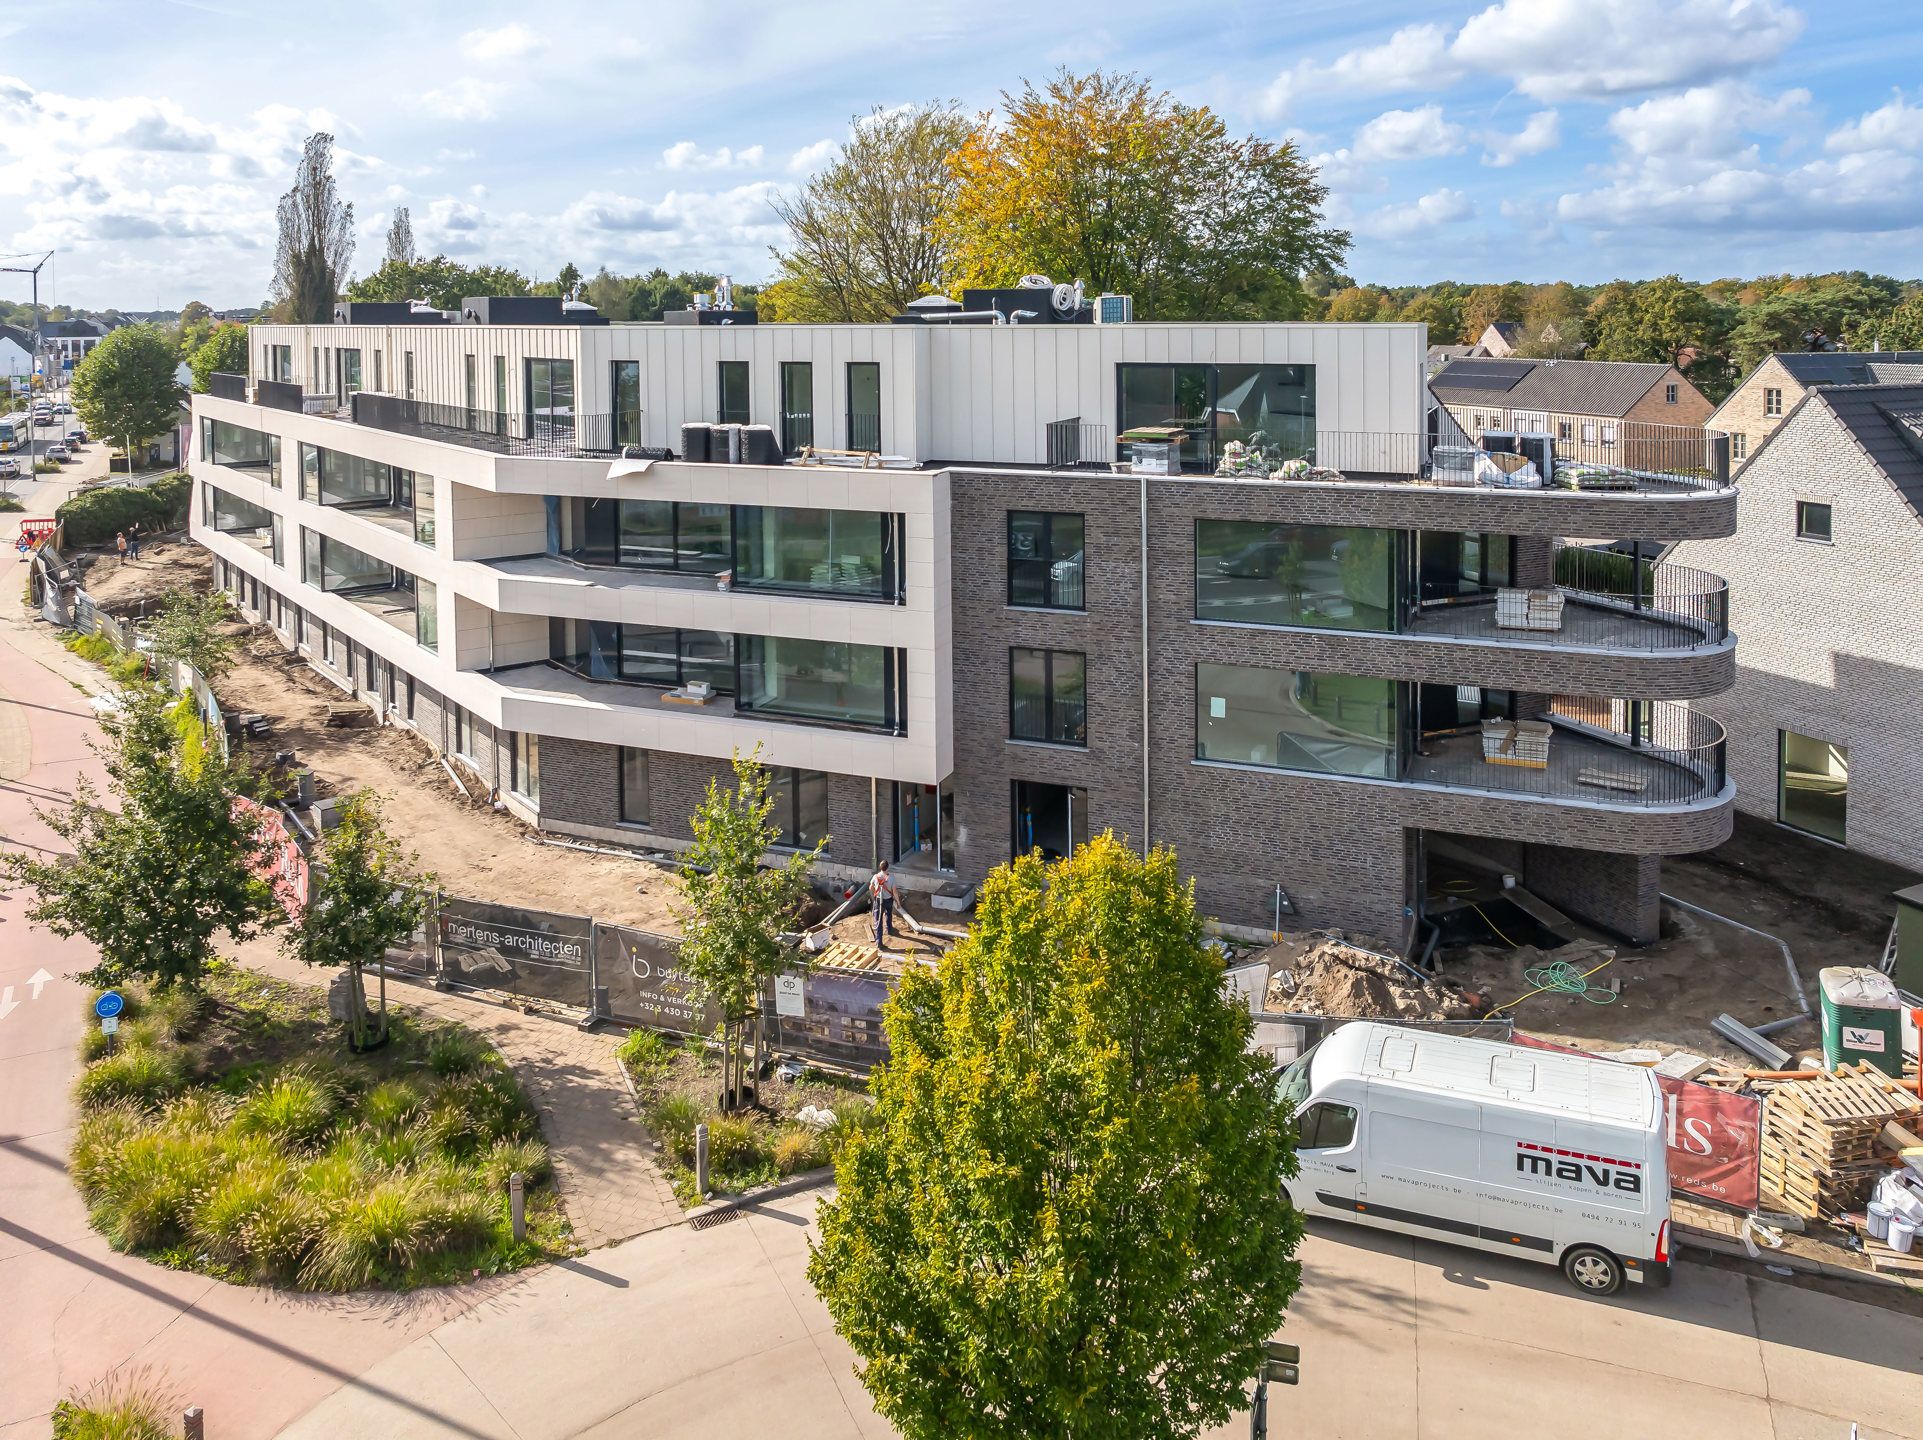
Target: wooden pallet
pixel 1820 1137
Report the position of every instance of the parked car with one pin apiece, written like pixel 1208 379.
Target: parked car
pixel 9 468
pixel 76 435
pixel 63 408
pixel 59 451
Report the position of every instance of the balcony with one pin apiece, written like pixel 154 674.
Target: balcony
pixel 1610 602
pixel 561 434
pixel 1636 754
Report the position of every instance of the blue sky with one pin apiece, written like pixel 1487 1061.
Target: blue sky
pixel 1524 139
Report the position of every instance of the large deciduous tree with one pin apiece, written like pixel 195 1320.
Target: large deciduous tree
pixel 1067 1222
pixel 224 352
pixel 158 876
pixel 1900 329
pixel 316 238
pixel 400 238
pixel 864 232
pixel 441 282
pixel 368 893
pixel 1103 179
pixel 733 908
pixel 124 387
pixel 1487 304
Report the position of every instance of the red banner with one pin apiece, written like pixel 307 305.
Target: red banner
pixel 32 532
pixel 1715 1138
pixel 282 862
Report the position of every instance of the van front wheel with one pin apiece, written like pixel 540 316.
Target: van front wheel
pixel 1592 1270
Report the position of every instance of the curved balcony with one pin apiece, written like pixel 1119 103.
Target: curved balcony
pixel 1609 602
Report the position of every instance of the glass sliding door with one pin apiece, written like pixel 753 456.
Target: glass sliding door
pixel 1175 395
pixel 840 552
pixel 550 401
pixel 864 406
pixel 732 379
pixel 1338 577
pixel 797 405
pixel 1296 720
pixel 348 362
pixel 1813 785
pixel 626 390
pixel 818 680
pixel 1269 408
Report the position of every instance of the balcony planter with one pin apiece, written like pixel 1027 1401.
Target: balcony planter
pixel 1516 742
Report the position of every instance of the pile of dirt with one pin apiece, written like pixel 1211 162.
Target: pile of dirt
pixel 1334 978
pixel 132 587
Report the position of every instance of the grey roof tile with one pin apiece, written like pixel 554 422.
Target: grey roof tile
pixel 1570 387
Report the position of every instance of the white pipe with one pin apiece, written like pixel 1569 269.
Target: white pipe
pixel 1789 963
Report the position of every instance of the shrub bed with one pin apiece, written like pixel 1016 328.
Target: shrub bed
pixel 94 517
pixel 678 1084
pixel 232 1133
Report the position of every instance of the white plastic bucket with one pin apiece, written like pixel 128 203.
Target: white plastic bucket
pixel 1902 1234
pixel 1879 1220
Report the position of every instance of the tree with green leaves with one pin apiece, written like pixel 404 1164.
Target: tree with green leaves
pixel 1101 178
pixel 1654 321
pixel 187 627
pixel 368 893
pixel 864 232
pixel 1554 323
pixel 124 387
pixel 159 875
pixel 1487 304
pixel 441 282
pixel 315 240
pixel 1901 329
pixel 734 908
pixel 1067 1221
pixel 223 352
pixel 1441 310
pixel 400 238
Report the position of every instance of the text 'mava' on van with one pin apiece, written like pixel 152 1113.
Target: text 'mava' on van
pixel 1558 1158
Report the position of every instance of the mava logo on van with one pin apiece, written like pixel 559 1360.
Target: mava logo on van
pixel 1597 1170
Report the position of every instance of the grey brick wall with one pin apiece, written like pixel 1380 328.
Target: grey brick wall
pixel 1620 893
pixel 1830 645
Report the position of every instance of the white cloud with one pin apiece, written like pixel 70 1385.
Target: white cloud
pixel 810 158
pixel 1539 133
pixel 1407 135
pixel 1557 49
pixel 686 155
pixel 466 99
pixel 1704 121
pixel 508 42
pixel 1895 126
pixel 1419 217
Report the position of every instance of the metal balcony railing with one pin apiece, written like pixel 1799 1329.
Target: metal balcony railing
pixel 560 435
pixel 1680 605
pixel 1077 444
pixel 1658 753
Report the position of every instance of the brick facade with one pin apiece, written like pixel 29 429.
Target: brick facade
pixel 1746 411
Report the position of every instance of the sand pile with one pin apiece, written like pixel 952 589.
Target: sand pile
pixel 1331 978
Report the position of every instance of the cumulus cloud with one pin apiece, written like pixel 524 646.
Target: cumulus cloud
pixel 1705 121
pixel 1407 135
pixel 1556 49
pixel 686 155
pixel 465 99
pixel 1419 217
pixel 1539 133
pixel 810 158
pixel 507 42
pixel 1895 126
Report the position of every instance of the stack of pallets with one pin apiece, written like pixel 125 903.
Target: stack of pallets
pixel 1820 1137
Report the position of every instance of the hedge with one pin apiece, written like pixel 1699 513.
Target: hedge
pixel 94 517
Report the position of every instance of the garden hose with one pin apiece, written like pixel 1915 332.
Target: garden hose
pixel 1560 978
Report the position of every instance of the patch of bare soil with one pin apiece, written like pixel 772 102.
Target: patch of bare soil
pixel 1319 975
pixel 131 587
pixel 472 849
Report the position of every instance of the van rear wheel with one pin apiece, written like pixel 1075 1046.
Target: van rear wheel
pixel 1592 1270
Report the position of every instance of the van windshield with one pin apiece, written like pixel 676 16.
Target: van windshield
pixel 1293 1084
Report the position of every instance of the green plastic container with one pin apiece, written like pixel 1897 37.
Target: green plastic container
pixel 1862 1019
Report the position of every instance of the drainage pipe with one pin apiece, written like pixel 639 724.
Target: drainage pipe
pixel 1789 965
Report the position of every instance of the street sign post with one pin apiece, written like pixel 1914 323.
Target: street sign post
pixel 109 1005
pixel 1281 1364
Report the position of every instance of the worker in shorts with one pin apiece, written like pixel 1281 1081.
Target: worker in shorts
pixel 881 899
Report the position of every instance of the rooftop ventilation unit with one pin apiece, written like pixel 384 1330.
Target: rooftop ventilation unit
pixel 1114 309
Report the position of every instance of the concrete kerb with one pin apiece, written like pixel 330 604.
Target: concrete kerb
pixel 807 1180
pixel 1722 1245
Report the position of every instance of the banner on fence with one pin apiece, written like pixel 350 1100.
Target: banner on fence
pixel 414 956
pixel 526 952
pixel 645 982
pixel 281 861
pixel 840 1016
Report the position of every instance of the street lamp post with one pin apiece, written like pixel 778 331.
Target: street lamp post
pixel 33 361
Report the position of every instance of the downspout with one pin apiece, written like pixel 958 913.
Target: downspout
pixel 1142 481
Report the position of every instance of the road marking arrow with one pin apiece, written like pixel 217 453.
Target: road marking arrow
pixel 7 1003
pixel 37 979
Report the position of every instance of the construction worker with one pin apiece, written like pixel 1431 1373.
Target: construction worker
pixel 881 899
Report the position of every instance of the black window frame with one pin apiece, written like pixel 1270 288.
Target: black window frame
pixel 743 372
pixel 1052 722
pixel 626 420
pixel 623 791
pixel 854 440
pixel 1806 511
pixel 1049 560
pixel 787 781
pixel 797 430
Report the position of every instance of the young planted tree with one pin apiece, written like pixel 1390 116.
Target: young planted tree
pixel 733 908
pixel 124 387
pixel 368 893
pixel 159 876
pixel 186 627
pixel 1067 1220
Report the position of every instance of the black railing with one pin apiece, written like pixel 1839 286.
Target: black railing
pixel 1659 753
pixel 227 387
pixel 1692 605
pixel 864 432
pixel 279 395
pixel 1076 444
pixel 506 433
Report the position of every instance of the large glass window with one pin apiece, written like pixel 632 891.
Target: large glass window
pixel 648 534
pixel 550 397
pixel 800 806
pixel 244 520
pixel 349 363
pixel 819 680
pixel 864 406
pixel 625 388
pixel 424 509
pixel 1045 560
pixel 240 448
pixel 333 477
pixel 632 785
pixel 1813 785
pixel 329 565
pixel 1270 408
pixel 1295 720
pixel 1048 696
pixel 645 654
pixel 797 405
pixel 843 552
pixel 427 615
pixel 1454 565
pixel 733 379
pixel 524 771
pixel 1338 576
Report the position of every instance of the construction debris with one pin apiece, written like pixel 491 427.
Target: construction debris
pixel 1821 1138
pixel 1335 978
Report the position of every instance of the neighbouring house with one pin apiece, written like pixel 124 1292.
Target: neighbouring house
pixel 16 352
pixel 68 341
pixel 589 562
pixel 1769 392
pixel 1825 575
pixel 1613 412
pixel 1440 355
pixel 1502 338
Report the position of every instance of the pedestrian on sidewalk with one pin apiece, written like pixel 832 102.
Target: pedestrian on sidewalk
pixel 120 545
pixel 881 899
pixel 133 541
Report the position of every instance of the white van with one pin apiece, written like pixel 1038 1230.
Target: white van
pixel 1558 1158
